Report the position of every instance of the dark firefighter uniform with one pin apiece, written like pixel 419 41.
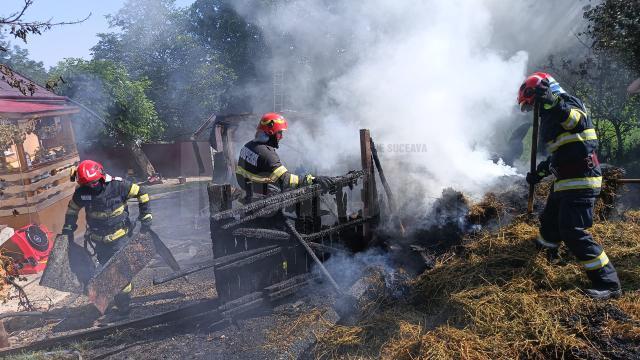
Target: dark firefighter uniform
pixel 108 221
pixel 260 171
pixel 571 141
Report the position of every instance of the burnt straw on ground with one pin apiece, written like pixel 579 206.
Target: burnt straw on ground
pixel 497 297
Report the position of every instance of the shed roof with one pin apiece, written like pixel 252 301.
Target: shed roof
pixel 40 93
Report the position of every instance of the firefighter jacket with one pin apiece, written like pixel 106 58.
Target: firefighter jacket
pixel 571 141
pixel 107 211
pixel 260 171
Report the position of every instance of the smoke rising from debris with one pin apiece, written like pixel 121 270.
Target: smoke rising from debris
pixel 434 75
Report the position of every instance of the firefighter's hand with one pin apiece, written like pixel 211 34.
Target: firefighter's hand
pixel 325 182
pixel 534 178
pixel 544 94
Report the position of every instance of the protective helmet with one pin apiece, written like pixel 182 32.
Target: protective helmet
pixel 272 124
pixel 89 172
pixel 527 93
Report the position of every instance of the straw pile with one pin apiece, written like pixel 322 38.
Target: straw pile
pixel 497 297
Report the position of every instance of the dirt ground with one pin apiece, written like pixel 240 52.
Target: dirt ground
pixel 181 220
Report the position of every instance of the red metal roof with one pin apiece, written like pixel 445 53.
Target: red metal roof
pixel 22 107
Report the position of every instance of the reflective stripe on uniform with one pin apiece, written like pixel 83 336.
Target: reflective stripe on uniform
pixel 544 243
pixel 143 199
pixel 127 289
pixel 148 216
pixel 573 119
pixel 279 171
pixel 104 214
pixel 578 183
pixel 109 238
pixel 275 175
pixel 133 191
pixel 567 137
pixel 294 180
pixel 601 261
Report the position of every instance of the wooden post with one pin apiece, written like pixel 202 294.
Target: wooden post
pixel 219 168
pixel 22 159
pixel 219 200
pixel 341 202
pixel 368 184
pixel 229 155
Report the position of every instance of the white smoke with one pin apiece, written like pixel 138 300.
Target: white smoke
pixel 435 81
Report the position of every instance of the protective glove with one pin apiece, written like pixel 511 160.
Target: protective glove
pixel 544 95
pixel 542 171
pixel 325 182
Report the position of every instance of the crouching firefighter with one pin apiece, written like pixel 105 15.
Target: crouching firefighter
pixel 260 172
pixel 571 141
pixel 104 199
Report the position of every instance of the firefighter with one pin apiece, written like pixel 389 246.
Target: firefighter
pixel 260 172
pixel 571 141
pixel 105 201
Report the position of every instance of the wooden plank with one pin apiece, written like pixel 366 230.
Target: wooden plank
pixel 34 173
pixel 37 199
pixel 15 189
pixel 229 155
pixel 368 184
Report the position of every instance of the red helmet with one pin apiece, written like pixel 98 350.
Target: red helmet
pixel 272 124
pixel 90 171
pixel 527 93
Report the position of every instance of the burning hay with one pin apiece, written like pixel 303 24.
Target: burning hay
pixel 498 298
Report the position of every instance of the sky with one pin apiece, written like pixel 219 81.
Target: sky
pixel 69 40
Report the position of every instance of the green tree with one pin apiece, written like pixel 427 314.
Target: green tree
pixel 614 26
pixel 129 116
pixel 18 59
pixel 152 41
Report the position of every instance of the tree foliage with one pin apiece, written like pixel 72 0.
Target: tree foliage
pixel 152 40
pixel 614 26
pixel 108 90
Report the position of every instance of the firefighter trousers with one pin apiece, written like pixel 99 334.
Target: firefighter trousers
pixel 566 217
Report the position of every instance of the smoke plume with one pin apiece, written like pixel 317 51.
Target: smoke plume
pixel 435 81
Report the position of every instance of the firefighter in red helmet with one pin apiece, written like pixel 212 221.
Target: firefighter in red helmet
pixel 571 142
pixel 104 199
pixel 260 171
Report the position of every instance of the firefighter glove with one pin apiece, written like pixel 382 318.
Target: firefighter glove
pixel 544 95
pixel 326 183
pixel 542 171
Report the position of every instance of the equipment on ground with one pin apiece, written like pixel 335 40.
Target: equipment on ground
pixel 29 247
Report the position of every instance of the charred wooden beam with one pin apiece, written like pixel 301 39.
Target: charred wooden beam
pixel 221 261
pixel 267 234
pixel 334 229
pixel 251 259
pixel 304 193
pixel 324 270
pixel 368 186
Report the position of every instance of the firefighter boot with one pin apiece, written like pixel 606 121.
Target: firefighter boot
pixel 122 301
pixel 603 294
pixel 606 284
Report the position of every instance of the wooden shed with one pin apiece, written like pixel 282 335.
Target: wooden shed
pixel 37 152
